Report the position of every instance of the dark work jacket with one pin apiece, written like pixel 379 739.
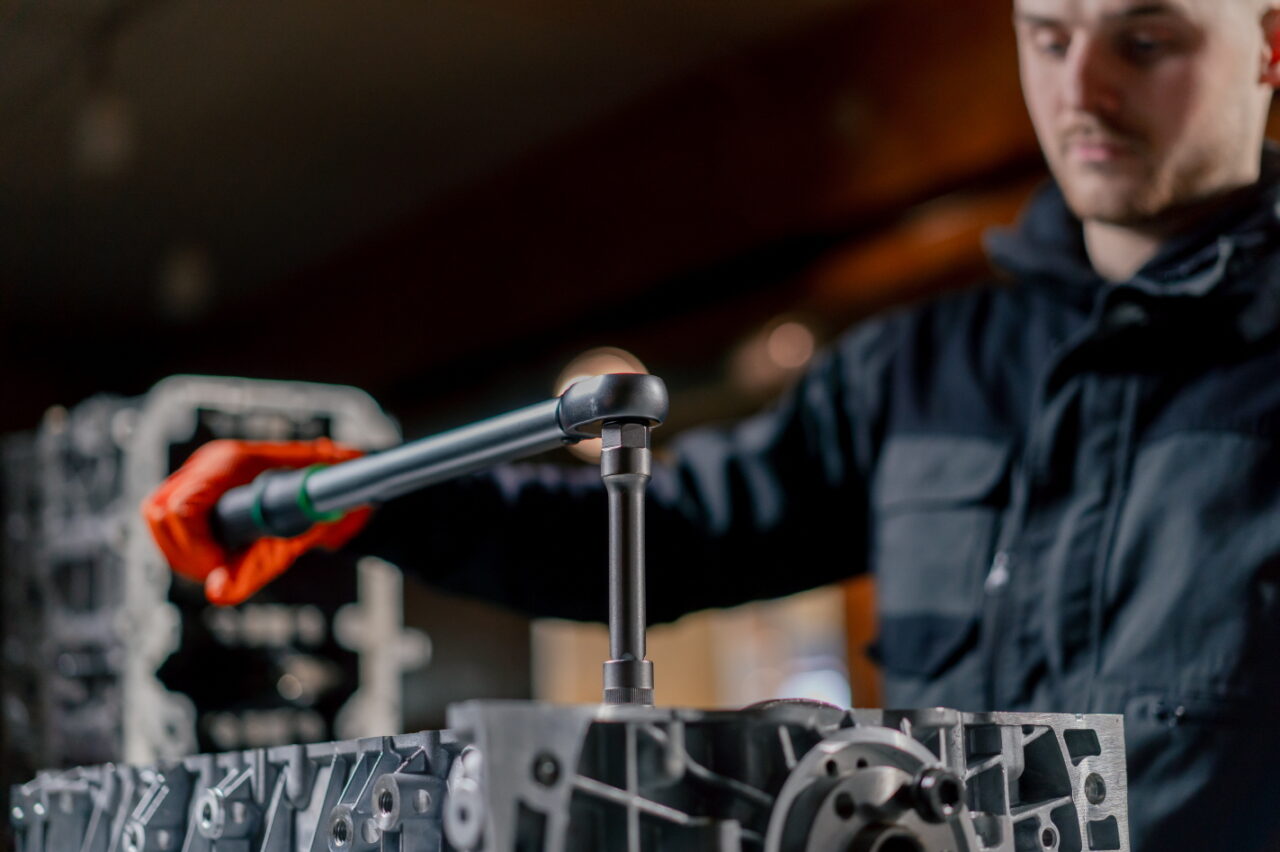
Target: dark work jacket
pixel 1068 490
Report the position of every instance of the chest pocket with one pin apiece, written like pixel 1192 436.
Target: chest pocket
pixel 937 502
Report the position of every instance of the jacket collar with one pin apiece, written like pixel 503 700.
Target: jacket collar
pixel 1046 250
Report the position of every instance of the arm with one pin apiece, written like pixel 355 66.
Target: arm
pixel 752 511
pixel 772 505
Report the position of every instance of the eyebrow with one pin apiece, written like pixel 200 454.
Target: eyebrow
pixel 1146 10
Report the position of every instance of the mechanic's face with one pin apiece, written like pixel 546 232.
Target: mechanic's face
pixel 1145 106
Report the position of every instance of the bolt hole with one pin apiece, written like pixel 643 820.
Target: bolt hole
pixel 1048 837
pixel 206 815
pixel 833 768
pixel 386 802
pixel 900 843
pixel 844 805
pixel 1095 789
pixel 862 763
pixel 949 794
pixel 341 833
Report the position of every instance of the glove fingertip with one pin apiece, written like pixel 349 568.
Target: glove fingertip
pixel 215 586
pixel 224 588
pixel 152 512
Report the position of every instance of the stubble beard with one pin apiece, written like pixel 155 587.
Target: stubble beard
pixel 1142 196
pixel 1157 190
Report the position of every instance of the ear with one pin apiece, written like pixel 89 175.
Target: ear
pixel 1270 74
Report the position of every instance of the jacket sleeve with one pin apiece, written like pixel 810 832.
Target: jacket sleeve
pixel 771 505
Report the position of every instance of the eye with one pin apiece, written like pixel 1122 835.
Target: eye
pixel 1051 42
pixel 1143 49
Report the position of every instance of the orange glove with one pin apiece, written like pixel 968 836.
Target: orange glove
pixel 178 515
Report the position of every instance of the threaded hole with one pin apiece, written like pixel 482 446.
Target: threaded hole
pixel 949 793
pixel 844 806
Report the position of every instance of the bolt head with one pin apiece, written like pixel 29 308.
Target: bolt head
pixel 631 436
pixel 546 769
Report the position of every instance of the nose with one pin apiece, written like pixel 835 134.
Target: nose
pixel 1090 84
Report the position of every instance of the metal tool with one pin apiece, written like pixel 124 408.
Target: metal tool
pixel 621 408
pixel 624 464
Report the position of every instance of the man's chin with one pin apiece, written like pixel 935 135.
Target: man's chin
pixel 1113 205
pixel 1118 216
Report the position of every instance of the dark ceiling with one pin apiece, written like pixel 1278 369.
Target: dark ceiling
pixel 265 135
pixel 429 199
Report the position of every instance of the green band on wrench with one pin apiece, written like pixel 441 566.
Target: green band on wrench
pixel 255 509
pixel 307 507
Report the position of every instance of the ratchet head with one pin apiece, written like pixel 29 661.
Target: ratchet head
pixel 630 397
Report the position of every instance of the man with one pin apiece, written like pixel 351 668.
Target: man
pixel 1069 489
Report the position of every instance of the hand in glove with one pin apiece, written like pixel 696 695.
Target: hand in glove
pixel 178 514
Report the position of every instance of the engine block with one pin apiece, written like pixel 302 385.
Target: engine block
pixel 129 664
pixel 785 776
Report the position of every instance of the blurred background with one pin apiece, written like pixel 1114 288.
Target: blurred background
pixel 456 205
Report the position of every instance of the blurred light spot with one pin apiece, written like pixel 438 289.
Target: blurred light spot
pixel 289 687
pixel 224 730
pixel 790 345
pixel 103 138
pixel 595 362
pixel 265 625
pixel 223 623
pixel 186 283
pixel 311 625
pixel 765 361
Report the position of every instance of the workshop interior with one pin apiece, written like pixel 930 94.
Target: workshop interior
pixel 395 225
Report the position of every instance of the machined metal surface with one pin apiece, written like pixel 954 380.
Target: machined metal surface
pixel 789 776
pixel 625 462
pixel 614 397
